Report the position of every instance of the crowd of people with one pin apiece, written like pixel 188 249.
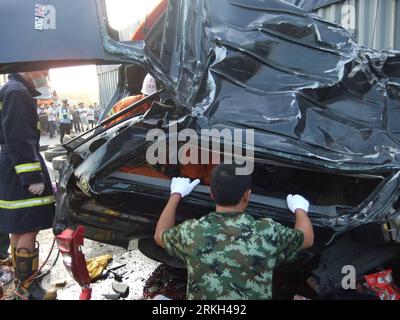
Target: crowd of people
pixel 64 118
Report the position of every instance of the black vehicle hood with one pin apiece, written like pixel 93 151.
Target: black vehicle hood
pixel 307 89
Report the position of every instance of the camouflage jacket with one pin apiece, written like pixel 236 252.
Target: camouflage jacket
pixel 231 256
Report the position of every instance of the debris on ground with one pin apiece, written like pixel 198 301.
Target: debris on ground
pixel 127 266
pixel 382 285
pixel 6 283
pixel 97 265
pixel 121 288
pixel 111 270
pixel 117 277
pixel 6 275
pixel 112 296
pixel 166 281
pixel 59 283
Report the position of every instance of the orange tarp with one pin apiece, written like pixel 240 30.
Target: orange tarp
pixel 145 171
pixel 125 103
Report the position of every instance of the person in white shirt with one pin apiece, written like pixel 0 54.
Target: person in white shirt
pixel 83 116
pixel 97 111
pixel 90 116
pixel 52 112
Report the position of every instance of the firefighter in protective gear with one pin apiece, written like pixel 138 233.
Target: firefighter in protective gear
pixel 27 203
pixel 149 87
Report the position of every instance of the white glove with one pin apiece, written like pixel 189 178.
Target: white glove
pixel 297 202
pixel 183 186
pixel 36 189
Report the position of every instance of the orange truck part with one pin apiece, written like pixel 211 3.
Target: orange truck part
pixel 149 21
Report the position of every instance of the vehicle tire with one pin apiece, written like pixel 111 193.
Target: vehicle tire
pixel 50 154
pixel 150 249
pixel 58 162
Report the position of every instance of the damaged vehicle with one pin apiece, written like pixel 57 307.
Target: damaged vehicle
pixel 325 113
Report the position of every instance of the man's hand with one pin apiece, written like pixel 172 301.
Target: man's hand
pixel 36 189
pixel 297 202
pixel 183 186
pixel 180 187
pixel 299 206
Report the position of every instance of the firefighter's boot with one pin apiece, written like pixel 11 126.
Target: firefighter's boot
pixel 27 264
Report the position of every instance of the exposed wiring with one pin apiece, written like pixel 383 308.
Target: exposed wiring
pixel 20 295
pixel 43 274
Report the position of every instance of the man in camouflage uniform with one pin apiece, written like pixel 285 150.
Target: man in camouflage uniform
pixel 228 253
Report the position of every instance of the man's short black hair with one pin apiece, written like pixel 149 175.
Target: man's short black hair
pixel 227 187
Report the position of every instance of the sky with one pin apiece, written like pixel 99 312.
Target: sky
pixel 121 13
pixel 80 83
pixel 76 83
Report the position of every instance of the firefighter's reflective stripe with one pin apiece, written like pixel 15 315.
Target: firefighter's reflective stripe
pixel 28 167
pixel 27 203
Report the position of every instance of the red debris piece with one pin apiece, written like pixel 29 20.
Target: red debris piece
pixel 382 285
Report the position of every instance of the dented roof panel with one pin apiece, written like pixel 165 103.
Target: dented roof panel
pixel 305 86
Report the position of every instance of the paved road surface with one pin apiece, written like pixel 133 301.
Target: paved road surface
pixel 135 273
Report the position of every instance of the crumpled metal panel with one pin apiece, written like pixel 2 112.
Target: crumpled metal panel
pixel 310 92
pixel 314 97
